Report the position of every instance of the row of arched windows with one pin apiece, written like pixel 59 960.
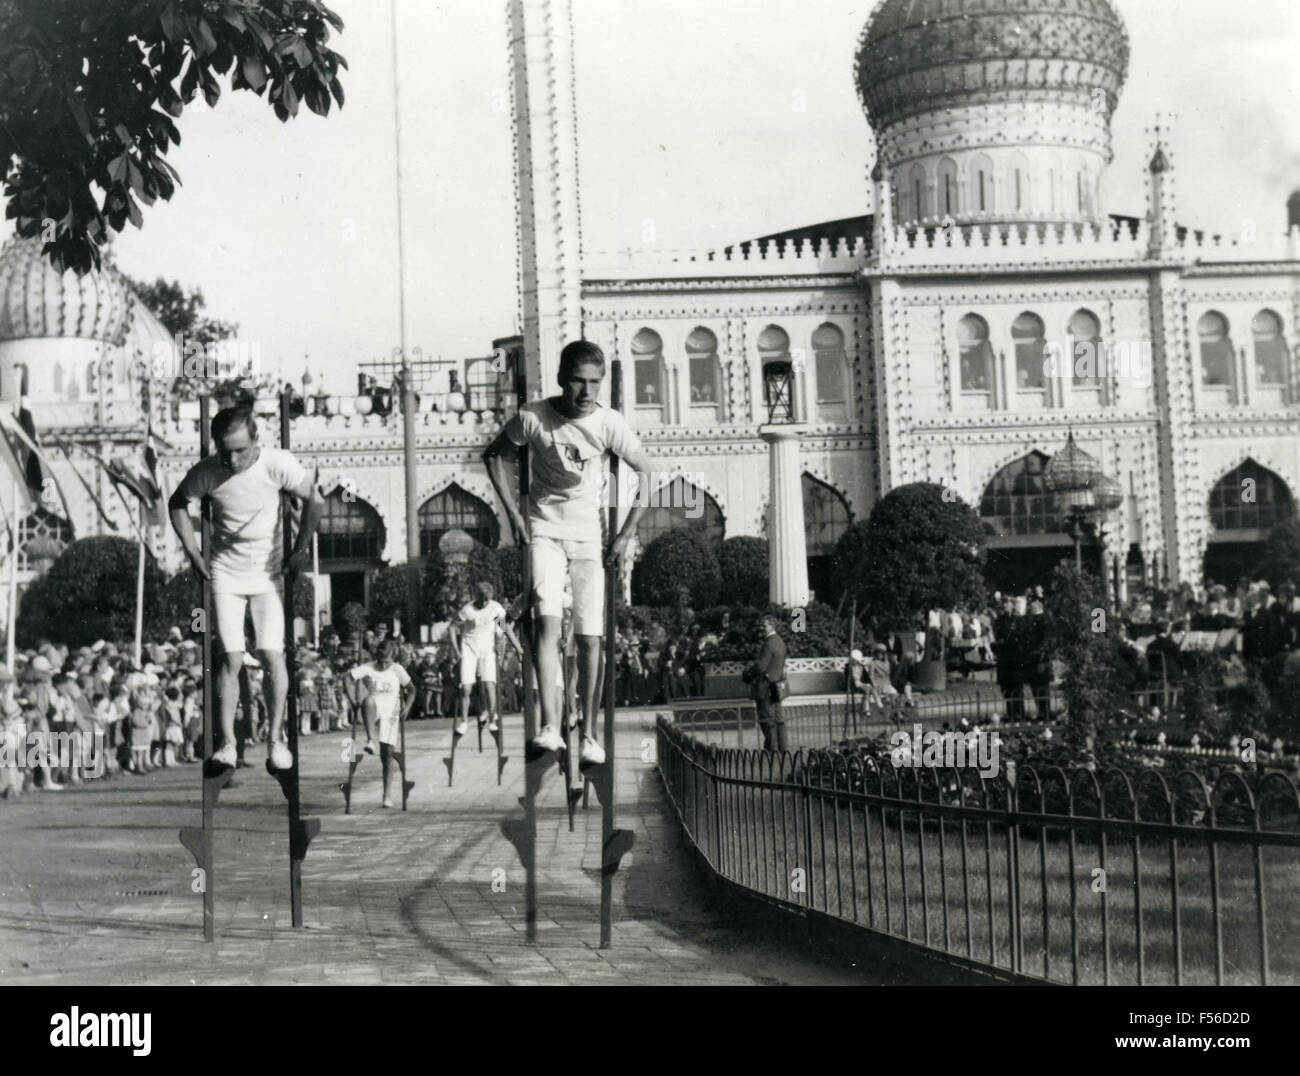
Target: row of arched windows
pixel 1219 357
pixel 1080 357
pixel 953 190
pixel 1018 503
pixel 704 374
pixel 351 530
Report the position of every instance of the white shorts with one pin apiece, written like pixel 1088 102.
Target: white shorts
pixel 268 620
pixel 477 664
pixel 551 561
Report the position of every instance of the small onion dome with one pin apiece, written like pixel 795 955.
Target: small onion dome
pixel 455 543
pixel 1071 469
pixel 1109 493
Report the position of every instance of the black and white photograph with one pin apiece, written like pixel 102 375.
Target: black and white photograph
pixel 651 493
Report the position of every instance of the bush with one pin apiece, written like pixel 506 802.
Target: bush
pixel 743 564
pixel 922 548
pixel 1098 680
pixel 388 594
pixel 354 620
pixel 89 594
pixel 812 632
pixel 678 568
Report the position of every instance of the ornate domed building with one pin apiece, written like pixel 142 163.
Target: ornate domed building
pixel 985 307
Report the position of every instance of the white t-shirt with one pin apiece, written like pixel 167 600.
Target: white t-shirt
pixel 479 626
pixel 247 543
pixel 385 687
pixel 567 471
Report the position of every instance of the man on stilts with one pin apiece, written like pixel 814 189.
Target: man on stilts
pixel 244 481
pixel 568 437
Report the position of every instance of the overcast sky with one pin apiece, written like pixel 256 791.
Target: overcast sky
pixel 686 118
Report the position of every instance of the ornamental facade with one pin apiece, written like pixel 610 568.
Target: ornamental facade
pixel 982 308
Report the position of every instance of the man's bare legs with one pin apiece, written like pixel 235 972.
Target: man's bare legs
pixel 588 679
pixel 276 689
pixel 550 675
pixel 228 690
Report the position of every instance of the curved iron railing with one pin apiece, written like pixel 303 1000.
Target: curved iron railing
pixel 1057 876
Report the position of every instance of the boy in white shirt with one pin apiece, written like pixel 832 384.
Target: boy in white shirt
pixel 388 700
pixel 247 563
pixel 474 637
pixel 568 437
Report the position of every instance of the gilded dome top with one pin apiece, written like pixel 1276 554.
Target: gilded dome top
pixel 917 55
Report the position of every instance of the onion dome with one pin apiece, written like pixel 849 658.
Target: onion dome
pixel 1071 469
pixel 917 55
pixel 39 302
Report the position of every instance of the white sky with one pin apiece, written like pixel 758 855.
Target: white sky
pixel 686 118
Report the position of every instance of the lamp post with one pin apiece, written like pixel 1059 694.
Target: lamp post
pixel 454 547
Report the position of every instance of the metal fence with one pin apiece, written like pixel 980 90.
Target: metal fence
pixel 1058 876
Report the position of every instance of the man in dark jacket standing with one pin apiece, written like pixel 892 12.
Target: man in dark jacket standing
pixel 763 676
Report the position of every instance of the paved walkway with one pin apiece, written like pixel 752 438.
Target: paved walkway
pixel 95 887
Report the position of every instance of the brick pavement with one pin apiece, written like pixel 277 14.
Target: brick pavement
pixel 95 887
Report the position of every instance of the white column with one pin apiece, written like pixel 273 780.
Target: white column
pixel 787 546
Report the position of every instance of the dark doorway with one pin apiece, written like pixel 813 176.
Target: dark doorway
pixel 1012 569
pixel 1226 562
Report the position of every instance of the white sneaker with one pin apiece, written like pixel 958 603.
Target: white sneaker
pixel 493 726
pixel 461 726
pixel 548 739
pixel 281 757
pixel 483 718
pixel 370 747
pixel 388 802
pixel 592 754
pixel 226 755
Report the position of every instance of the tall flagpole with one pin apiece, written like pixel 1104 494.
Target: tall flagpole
pixel 139 594
pixel 407 401
pixel 13 581
pixel 315 589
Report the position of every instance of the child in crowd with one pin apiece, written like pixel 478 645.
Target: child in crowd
pixel 142 728
pixel 308 702
pixel 192 721
pixel 173 727
pixel 13 733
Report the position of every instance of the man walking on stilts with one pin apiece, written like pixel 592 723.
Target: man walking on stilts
pixel 244 481
pixel 568 437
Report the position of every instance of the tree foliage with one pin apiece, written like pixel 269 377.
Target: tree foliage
pixel 1281 560
pixel 1088 642
pixel 89 93
pixel 743 564
pixel 921 548
pixel 89 594
pixel 678 568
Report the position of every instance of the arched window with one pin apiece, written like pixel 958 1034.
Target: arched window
pixel 778 374
pixel 948 200
pixel 485 386
pixel 676 505
pixel 1216 350
pixel 828 352
pixel 705 370
pixel 1249 498
pixel 1018 502
pixel 1270 349
pixel 44 525
pixel 649 378
pixel 982 183
pixel 1020 181
pixel 350 529
pixel 976 354
pixel 1028 335
pixel 1086 367
pixel 825 517
pixel 455 509
pixel 916 186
